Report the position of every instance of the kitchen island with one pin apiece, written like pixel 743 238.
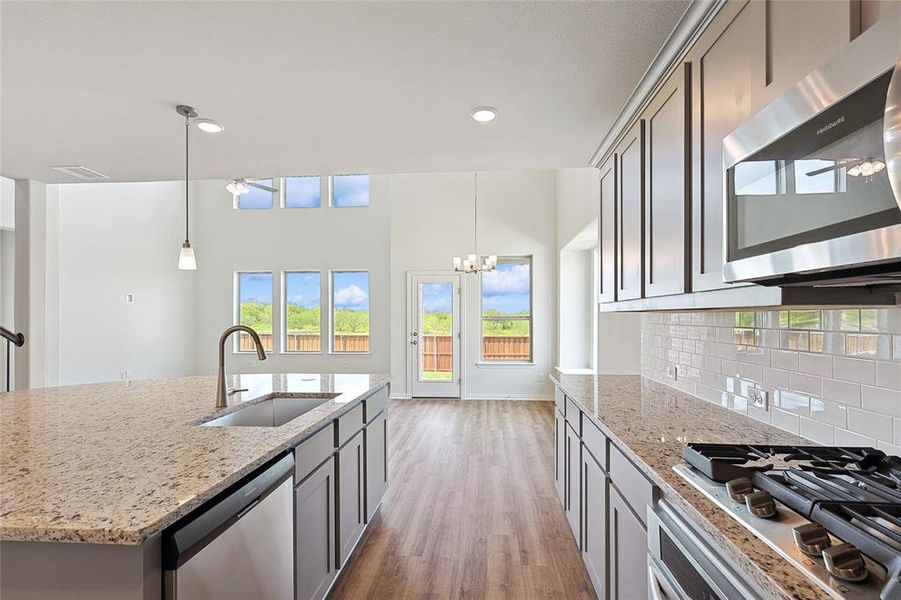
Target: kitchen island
pixel 90 475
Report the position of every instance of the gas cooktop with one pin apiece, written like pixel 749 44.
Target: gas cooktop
pixel 835 513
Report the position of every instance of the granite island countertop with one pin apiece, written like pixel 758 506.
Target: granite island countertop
pixel 651 423
pixel 116 463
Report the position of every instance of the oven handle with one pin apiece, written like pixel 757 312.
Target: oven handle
pixel 659 587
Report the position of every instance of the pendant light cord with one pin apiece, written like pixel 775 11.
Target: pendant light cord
pixel 187 128
pixel 475 231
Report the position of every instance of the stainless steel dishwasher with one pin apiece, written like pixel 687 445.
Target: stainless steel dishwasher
pixel 239 545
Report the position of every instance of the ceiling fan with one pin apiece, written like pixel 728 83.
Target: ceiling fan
pixel 861 167
pixel 242 186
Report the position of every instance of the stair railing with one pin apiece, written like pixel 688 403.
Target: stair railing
pixel 12 339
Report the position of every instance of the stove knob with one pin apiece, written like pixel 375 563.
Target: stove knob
pixel 844 561
pixel 761 504
pixel 739 488
pixel 811 538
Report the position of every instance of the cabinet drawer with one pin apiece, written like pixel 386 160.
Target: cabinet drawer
pixel 560 400
pixel 375 404
pixel 595 441
pixel 631 483
pixel 313 451
pixel 349 423
pixel 573 415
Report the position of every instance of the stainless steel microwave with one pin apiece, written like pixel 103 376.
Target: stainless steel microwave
pixel 813 183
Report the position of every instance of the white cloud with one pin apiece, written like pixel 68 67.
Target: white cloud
pixel 352 295
pixel 514 280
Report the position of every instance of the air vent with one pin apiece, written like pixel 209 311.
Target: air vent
pixel 81 172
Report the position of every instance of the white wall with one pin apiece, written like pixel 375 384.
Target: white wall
pixel 576 308
pixel 229 240
pixel 578 202
pixel 116 239
pixel 432 221
pixel 7 268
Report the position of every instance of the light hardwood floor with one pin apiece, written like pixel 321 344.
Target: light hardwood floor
pixel 471 509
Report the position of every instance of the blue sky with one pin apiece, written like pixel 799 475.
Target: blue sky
pixel 351 289
pixel 350 190
pixel 257 198
pixel 302 192
pixel 506 288
pixel 255 287
pixel 302 289
pixel 437 297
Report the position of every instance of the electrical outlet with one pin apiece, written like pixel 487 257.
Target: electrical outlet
pixel 759 398
pixel 672 372
pixel 129 298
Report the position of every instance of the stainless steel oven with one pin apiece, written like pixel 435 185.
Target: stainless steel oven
pixel 813 182
pixel 682 565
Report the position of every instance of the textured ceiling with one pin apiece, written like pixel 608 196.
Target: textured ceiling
pixel 325 87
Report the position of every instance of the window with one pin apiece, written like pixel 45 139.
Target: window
pixel 815 176
pixel 302 192
pixel 302 315
pixel 350 190
pixel 507 311
pixel 255 198
pixel 254 294
pixel 350 311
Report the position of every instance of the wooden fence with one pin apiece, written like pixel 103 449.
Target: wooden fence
pixel 437 350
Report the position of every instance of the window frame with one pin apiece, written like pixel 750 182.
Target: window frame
pixel 331 311
pixel 236 308
pixel 531 318
pixel 284 312
pixel 331 190
pixel 324 191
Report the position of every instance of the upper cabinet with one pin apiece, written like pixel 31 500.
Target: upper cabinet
pixel 667 185
pixel 630 221
pixel 607 231
pixel 727 71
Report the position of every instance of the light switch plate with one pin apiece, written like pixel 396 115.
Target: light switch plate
pixel 672 372
pixel 759 398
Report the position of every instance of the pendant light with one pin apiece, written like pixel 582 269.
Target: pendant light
pixel 474 263
pixel 186 259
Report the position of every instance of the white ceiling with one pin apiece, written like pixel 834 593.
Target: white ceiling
pixel 314 87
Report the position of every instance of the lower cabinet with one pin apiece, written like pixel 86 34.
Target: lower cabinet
pixel 376 446
pixel 350 496
pixel 628 543
pixel 314 505
pixel 573 504
pixel 560 456
pixel 594 521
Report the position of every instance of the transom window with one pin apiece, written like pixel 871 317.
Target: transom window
pixel 308 191
pixel 507 311
pixel 302 192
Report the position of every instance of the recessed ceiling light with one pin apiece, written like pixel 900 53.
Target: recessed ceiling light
pixel 209 125
pixel 484 114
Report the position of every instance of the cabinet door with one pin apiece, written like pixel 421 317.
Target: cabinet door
pixel 630 223
pixel 350 496
pixel 573 483
pixel 314 531
pixel 376 440
pixel 560 456
pixel 667 195
pixel 628 551
pixel 607 231
pixel 594 522
pixel 727 66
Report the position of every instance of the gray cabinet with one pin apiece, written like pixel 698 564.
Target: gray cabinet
pixel 314 506
pixel 594 521
pixel 667 179
pixel 350 496
pixel 376 445
pixel 573 489
pixel 628 543
pixel 727 65
pixel 607 231
pixel 560 456
pixel 630 215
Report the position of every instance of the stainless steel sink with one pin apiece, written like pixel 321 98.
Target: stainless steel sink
pixel 273 412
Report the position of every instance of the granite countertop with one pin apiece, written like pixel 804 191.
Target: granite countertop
pixel 651 423
pixel 116 463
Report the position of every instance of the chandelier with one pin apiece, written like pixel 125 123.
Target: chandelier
pixel 475 263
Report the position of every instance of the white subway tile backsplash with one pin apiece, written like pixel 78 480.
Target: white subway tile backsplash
pixel 892 449
pixel 854 369
pixel 870 424
pixel 886 402
pixel 834 375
